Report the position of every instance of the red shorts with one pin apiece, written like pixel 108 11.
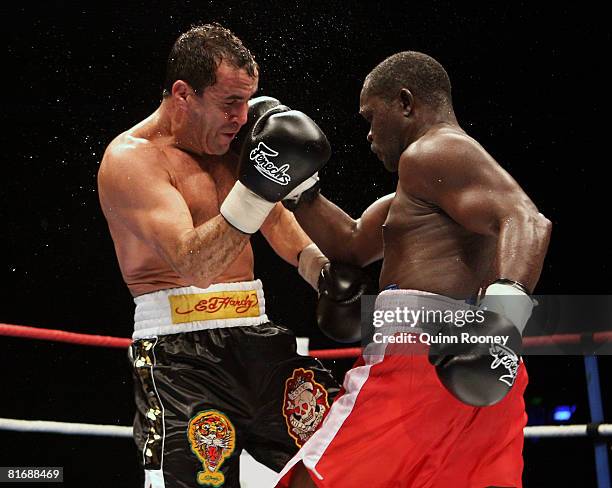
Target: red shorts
pixel 395 425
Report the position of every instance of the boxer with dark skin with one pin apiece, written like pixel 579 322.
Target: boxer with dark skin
pixel 457 220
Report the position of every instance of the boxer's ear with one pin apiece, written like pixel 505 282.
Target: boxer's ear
pixel 181 90
pixel 407 100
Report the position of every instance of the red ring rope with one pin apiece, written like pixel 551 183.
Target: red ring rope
pixel 350 352
pixel 62 336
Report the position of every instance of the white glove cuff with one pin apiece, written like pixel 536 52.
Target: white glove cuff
pixel 310 264
pixel 510 302
pixel 244 209
pixel 295 194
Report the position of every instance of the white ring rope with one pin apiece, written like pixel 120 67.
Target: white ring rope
pixel 65 428
pixel 579 430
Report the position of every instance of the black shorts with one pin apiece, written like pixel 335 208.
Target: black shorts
pixel 203 396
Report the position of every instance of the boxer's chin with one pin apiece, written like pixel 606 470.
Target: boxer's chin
pixel 220 148
pixel 391 167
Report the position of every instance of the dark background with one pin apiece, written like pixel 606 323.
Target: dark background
pixel 528 83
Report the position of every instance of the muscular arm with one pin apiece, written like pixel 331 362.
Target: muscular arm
pixel 340 237
pixel 284 234
pixel 136 190
pixel 457 174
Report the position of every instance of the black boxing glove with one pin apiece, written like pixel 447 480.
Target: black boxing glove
pixel 477 371
pixel 282 149
pixel 304 192
pixel 339 307
pixel 478 374
pixel 257 107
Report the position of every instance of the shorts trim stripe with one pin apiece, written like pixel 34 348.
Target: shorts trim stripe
pixel 313 450
pixel 155 478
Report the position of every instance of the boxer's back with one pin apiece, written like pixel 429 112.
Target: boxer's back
pixel 426 249
pixel 203 182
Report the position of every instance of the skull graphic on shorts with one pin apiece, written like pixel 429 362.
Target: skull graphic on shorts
pixel 305 405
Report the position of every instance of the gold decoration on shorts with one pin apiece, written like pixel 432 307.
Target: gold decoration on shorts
pixel 143 357
pixel 213 439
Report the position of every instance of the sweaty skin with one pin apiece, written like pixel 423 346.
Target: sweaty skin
pixel 456 222
pixel 161 184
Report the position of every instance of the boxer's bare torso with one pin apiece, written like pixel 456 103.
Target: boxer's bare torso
pixel 202 181
pixel 424 248
pixel 440 231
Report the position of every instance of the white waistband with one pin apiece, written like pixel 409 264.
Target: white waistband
pixel 391 299
pixel 154 313
pixel 409 308
pixel 406 311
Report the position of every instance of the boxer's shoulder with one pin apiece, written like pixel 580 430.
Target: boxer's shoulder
pixel 128 155
pixel 438 144
pixel 441 153
pixel 126 162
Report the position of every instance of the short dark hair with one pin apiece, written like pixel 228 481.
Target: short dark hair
pixel 197 53
pixel 425 77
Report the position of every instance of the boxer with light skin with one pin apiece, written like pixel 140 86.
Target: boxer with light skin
pixel 457 224
pixel 179 193
pixel 153 174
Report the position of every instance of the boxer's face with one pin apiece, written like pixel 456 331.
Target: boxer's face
pixel 222 109
pixel 384 133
